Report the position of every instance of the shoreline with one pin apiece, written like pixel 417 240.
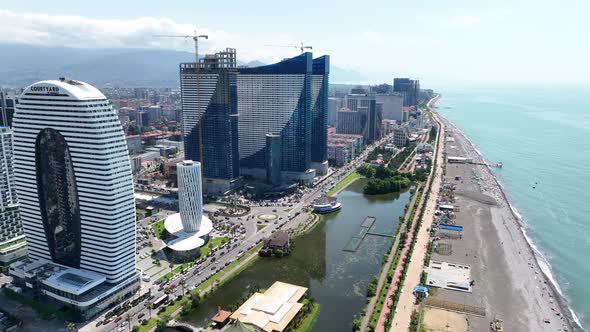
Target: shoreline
pixel 539 259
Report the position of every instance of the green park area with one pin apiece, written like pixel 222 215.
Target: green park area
pixel 344 182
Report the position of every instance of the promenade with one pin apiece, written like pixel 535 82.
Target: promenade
pixel 405 305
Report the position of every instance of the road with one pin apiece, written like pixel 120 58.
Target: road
pixel 196 275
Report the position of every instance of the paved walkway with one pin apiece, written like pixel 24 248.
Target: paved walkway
pixel 435 174
pixel 386 268
pixel 405 305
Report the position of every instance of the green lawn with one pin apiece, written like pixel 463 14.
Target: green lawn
pixel 159 229
pixel 310 319
pixel 259 227
pixel 215 242
pixel 140 211
pixel 344 182
pixel 217 275
pixel 150 324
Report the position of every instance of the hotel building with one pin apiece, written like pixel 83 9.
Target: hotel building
pixel 73 179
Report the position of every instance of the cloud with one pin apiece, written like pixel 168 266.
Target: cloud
pixel 462 21
pixel 85 32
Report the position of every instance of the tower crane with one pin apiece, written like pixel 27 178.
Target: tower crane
pixel 301 46
pixel 195 37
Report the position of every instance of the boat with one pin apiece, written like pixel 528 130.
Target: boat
pixel 327 205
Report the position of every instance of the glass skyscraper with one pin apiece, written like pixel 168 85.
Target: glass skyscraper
pixel 319 125
pixel 288 98
pixel 210 118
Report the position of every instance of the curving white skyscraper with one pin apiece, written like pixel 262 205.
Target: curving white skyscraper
pixel 73 179
pixel 190 196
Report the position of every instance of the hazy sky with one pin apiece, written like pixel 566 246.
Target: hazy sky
pixel 438 41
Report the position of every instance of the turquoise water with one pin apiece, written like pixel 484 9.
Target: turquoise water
pixel 542 136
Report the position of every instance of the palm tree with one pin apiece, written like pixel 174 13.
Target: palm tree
pixel 182 282
pixel 128 318
pixel 150 306
pixel 71 326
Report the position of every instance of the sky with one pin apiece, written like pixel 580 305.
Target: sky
pixel 440 42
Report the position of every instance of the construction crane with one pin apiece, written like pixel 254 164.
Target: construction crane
pixel 302 47
pixel 195 37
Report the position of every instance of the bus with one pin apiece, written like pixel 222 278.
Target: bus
pixel 160 301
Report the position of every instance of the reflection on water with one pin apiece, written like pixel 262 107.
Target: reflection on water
pixel 337 279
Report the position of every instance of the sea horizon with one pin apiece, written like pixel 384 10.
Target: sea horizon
pixel 526 129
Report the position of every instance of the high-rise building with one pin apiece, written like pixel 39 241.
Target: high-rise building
pixel 12 238
pixel 7 104
pixel 277 99
pixel 393 104
pixel 210 119
pixel 190 196
pixel 410 89
pixel 368 116
pixel 273 159
pixel 350 122
pixel 319 124
pixel 333 107
pixel 288 98
pixel 75 189
pixel 189 228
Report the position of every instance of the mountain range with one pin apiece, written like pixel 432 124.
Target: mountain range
pixel 21 65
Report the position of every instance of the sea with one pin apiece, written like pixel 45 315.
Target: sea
pixel 542 137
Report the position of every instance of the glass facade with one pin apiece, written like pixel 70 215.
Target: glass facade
pixel 273 159
pixel 276 98
pixel 213 111
pixel 58 198
pixel 319 127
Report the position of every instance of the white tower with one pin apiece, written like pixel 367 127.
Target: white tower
pixel 73 179
pixel 190 196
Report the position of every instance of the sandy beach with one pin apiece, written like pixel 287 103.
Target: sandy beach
pixel 508 280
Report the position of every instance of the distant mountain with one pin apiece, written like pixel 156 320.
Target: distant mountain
pixel 21 65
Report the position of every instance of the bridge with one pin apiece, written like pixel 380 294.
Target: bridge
pixel 356 240
pixel 379 234
pixel 182 326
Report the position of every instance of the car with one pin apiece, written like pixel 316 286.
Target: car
pixel 118 319
pixel 99 323
pixel 141 314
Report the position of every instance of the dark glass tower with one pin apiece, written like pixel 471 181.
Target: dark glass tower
pixel 276 98
pixel 319 126
pixel 273 159
pixel 210 115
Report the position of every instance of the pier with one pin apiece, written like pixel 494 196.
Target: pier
pixel 365 229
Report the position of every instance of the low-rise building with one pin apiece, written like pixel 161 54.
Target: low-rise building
pixel 272 310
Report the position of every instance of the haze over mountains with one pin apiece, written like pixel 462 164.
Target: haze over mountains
pixel 21 65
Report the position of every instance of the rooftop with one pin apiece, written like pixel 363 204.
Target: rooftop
pixel 221 316
pixel 184 241
pixel 273 310
pixel 76 89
